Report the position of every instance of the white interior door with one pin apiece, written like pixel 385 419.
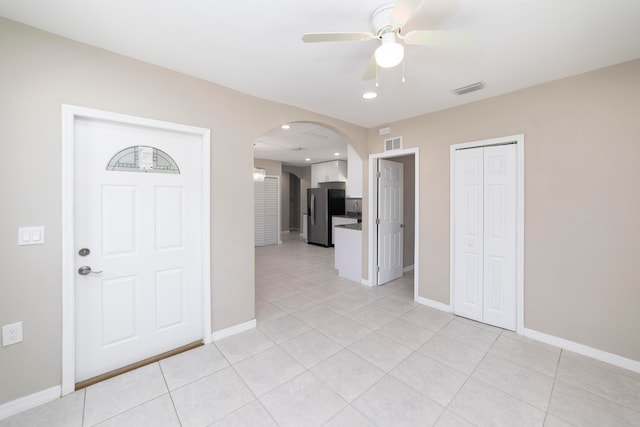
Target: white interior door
pixel 141 228
pixel 485 235
pixel 390 215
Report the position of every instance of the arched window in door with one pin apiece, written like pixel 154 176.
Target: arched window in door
pixel 142 158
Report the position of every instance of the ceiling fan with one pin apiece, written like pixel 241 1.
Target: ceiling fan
pixel 387 22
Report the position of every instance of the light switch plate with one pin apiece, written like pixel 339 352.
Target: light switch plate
pixel 30 235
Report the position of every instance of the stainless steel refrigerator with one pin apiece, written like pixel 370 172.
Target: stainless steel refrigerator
pixel 322 203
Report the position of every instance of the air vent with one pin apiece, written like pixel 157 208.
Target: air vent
pixel 470 88
pixel 393 143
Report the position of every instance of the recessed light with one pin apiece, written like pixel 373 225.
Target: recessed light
pixel 369 95
pixel 307 160
pixel 336 154
pixel 285 126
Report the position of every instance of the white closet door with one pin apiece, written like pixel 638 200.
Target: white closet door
pixel 258 212
pixel 469 233
pixel 485 235
pixel 500 236
pixel 266 211
pixel 270 211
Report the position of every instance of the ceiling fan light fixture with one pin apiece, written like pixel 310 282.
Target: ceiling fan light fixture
pixel 389 53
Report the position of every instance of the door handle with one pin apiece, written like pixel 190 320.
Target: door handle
pixel 85 269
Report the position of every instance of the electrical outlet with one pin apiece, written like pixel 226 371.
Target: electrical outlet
pixel 11 334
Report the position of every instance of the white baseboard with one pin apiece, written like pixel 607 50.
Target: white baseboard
pixel 366 282
pixel 594 353
pixel 433 304
pixel 408 268
pixel 233 330
pixel 29 402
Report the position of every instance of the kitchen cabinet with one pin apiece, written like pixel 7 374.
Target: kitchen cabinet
pixel 340 220
pixel 335 170
pixel 348 252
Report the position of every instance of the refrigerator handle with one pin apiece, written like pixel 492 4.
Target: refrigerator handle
pixel 313 209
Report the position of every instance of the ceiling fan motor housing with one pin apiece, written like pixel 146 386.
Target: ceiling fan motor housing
pixel 381 20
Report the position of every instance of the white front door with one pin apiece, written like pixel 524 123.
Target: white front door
pixel 390 216
pixel 485 235
pixel 138 213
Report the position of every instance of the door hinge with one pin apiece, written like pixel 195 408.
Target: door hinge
pixel 378 174
pixel 378 269
pixel 377 221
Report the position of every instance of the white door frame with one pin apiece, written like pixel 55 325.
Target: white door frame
pixel 69 115
pixel 373 202
pixel 519 140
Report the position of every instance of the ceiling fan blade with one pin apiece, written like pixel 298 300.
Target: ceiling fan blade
pixel 336 37
pixel 403 11
pixel 454 39
pixel 370 72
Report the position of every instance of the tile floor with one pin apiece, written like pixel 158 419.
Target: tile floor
pixel 331 352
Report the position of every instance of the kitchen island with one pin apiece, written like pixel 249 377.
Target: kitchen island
pixel 348 251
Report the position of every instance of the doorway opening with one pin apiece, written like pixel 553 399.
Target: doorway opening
pixel 411 210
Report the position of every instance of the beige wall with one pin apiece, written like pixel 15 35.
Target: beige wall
pixel 38 73
pixel 582 210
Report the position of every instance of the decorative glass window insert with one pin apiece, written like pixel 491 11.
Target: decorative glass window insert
pixel 143 159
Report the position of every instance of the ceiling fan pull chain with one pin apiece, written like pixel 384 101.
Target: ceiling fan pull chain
pixel 403 61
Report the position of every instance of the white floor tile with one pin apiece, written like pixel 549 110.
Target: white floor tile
pixel 267 370
pixel 283 328
pixel 344 330
pixel 406 333
pixel 450 419
pixel 211 398
pixel 581 408
pixel 158 413
pixel 316 315
pixel 393 306
pixel 484 405
pixel 607 381
pixel 515 380
pixel 311 348
pixel 391 403
pixel 470 333
pixel 347 374
pixel 435 380
pixel 64 412
pixel 428 318
pixel 303 401
pixel 251 415
pixel 524 352
pixel 119 394
pixel 191 365
pixel 370 317
pixel 380 350
pixel 452 353
pixel 246 344
pixel 349 417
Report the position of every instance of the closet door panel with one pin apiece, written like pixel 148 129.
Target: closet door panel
pixel 468 234
pixel 499 258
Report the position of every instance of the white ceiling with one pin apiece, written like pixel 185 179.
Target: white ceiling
pixel 255 46
pixel 300 142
